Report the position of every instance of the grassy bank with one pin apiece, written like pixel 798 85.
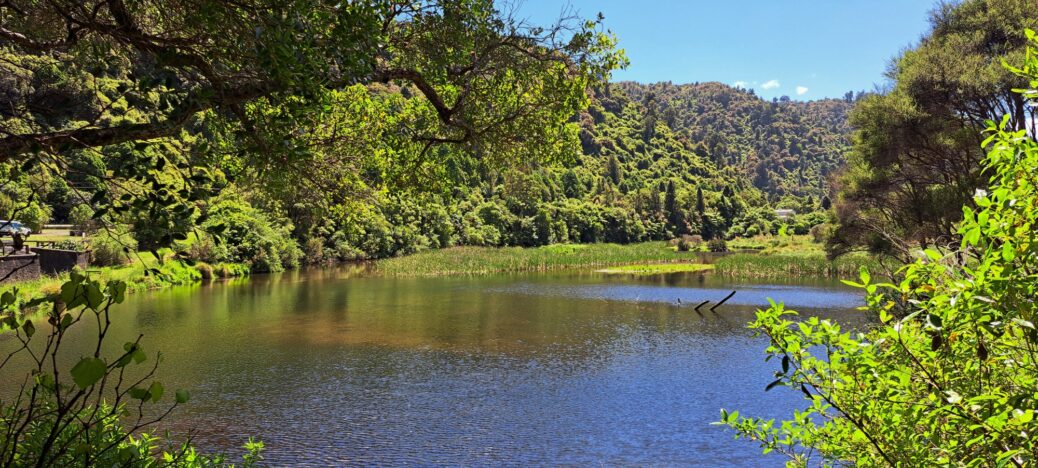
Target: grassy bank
pixel 136 275
pixel 483 260
pixel 785 265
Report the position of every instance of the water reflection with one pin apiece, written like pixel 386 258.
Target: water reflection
pixel 329 367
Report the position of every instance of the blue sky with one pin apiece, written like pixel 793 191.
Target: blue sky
pixel 805 49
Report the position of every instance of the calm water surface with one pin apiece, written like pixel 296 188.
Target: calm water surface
pixel 568 368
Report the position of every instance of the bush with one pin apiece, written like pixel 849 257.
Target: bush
pixel 822 232
pixel 206 270
pixel 111 247
pixel 717 244
pixel 70 244
pixel 81 217
pixel 206 249
pixel 687 243
pixel 250 237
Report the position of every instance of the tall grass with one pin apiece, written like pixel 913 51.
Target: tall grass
pixel 483 260
pixel 798 265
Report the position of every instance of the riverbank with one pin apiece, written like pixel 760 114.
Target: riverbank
pixel 781 258
pixel 144 274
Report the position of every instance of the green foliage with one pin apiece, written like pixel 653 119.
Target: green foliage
pixel 950 374
pixel 657 269
pixel 110 247
pixel 248 236
pixel 304 102
pixel 717 244
pixel 70 244
pixel 688 243
pixel 81 216
pixel 785 148
pixel 624 188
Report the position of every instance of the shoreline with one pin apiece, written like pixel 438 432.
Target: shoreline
pixel 643 259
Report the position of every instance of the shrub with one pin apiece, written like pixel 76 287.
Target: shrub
pixel 822 232
pixel 687 243
pixel 111 247
pixel 252 237
pixel 206 270
pixel 70 244
pixel 717 244
pixel 207 249
pixel 81 217
pixel 314 251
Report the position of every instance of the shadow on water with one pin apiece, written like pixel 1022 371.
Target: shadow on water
pixel 328 367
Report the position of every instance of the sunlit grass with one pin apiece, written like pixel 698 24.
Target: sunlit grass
pixel 484 260
pixel 657 269
pixel 140 275
pixel 798 264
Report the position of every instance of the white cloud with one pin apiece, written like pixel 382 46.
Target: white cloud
pixel 770 84
pixel 801 90
pixel 740 84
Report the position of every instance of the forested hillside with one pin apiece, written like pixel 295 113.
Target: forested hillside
pixel 642 162
pixel 655 162
pixel 785 147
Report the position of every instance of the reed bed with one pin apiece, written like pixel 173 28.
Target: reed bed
pixel 643 269
pixel 485 260
pixel 784 266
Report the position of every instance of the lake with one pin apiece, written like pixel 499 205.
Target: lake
pixel 328 367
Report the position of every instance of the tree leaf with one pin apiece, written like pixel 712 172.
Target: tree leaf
pixel 156 390
pixel 88 371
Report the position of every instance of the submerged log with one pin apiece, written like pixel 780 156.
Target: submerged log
pixel 729 296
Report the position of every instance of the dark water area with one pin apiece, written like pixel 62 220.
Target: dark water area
pixel 329 368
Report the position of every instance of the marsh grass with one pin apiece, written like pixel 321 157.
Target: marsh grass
pixel 484 260
pixel 657 269
pixel 786 265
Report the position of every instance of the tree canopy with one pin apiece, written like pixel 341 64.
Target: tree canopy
pixel 916 152
pixel 148 107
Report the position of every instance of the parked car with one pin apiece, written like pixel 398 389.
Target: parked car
pixel 10 228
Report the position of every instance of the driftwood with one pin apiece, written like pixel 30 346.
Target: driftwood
pixel 729 296
pixel 701 304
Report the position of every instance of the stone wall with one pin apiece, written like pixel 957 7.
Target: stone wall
pixel 19 267
pixel 54 261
